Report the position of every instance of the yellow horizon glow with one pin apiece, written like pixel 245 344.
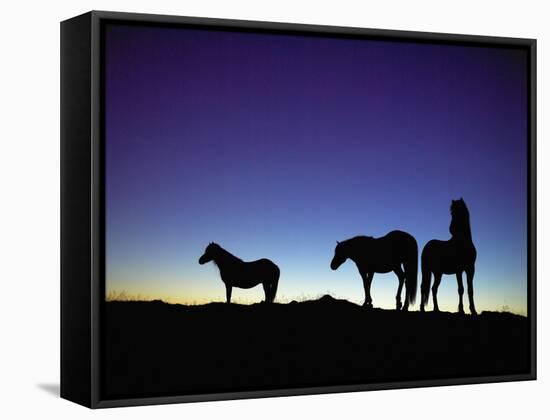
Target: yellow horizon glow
pixel 383 297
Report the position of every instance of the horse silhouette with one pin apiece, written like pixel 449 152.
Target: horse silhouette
pixel 245 275
pixel 397 251
pixel 454 256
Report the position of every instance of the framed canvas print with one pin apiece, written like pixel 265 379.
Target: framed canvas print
pixel 256 209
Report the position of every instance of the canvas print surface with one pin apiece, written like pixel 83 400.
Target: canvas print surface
pixel 293 210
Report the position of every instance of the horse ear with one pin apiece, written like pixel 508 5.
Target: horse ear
pixel 337 242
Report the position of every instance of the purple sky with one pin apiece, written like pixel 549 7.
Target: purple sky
pixel 278 145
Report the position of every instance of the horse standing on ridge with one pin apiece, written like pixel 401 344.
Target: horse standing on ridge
pixel 245 275
pixel 454 256
pixel 397 251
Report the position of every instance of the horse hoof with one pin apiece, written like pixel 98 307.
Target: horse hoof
pixel 367 305
pixel 473 311
pixel 398 306
pixel 405 309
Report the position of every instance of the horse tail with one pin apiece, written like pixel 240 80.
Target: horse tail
pixel 411 273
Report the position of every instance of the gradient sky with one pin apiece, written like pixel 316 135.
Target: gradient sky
pixel 276 146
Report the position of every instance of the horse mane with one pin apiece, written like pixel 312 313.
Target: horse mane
pixel 352 243
pixel 214 247
pixel 355 238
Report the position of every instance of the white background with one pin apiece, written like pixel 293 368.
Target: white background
pixel 29 230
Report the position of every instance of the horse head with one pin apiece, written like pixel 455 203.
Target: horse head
pixel 340 256
pixel 459 210
pixel 458 207
pixel 209 253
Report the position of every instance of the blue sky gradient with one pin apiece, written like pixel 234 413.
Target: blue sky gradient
pixel 278 145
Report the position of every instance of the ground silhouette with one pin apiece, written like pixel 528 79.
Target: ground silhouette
pixel 155 348
pixel 455 256
pixel 235 272
pixel 397 251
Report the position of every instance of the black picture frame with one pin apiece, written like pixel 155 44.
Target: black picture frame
pixel 82 199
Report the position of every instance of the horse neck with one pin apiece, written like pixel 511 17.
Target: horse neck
pixel 225 258
pixel 359 246
pixel 461 230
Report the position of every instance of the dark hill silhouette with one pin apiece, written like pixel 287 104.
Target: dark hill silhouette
pixel 155 348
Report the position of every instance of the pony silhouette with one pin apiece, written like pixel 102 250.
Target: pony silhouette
pixel 235 272
pixel 454 256
pixel 397 251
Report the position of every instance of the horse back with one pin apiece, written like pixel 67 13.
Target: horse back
pixel 263 264
pixel 399 236
pixel 399 243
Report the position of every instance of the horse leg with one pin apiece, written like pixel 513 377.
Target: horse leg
pixel 228 293
pixel 267 291
pixel 437 280
pixel 273 289
pixel 425 288
pixel 367 280
pixel 460 291
pixel 470 281
pixel 401 276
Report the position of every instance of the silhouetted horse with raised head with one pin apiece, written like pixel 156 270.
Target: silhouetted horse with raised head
pixel 397 252
pixel 454 256
pixel 238 273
